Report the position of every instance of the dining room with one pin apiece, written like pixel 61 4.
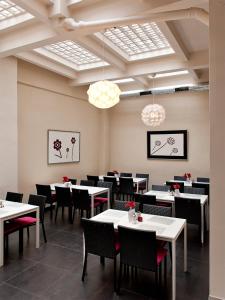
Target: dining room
pixel 112 200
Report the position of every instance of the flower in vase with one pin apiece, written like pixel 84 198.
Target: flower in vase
pixel 65 179
pixel 187 176
pixel 174 187
pixel 130 204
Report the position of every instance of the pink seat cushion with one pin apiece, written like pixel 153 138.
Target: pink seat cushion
pixel 25 221
pixel 11 227
pixel 117 246
pixel 161 254
pixel 101 199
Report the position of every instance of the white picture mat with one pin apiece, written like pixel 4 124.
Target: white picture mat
pixel 175 146
pixel 68 152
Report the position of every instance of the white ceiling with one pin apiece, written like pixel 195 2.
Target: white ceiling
pixel 132 39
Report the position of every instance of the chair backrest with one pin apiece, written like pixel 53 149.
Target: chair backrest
pixel 161 188
pixel 188 208
pixel 204 186
pixel 81 199
pixel 138 248
pixel 181 184
pixel 99 238
pixel 145 199
pixel 14 197
pixel 105 184
pixel 123 174
pixel 110 173
pixel 73 181
pixel 87 182
pixel 93 178
pixel 63 196
pixel 38 200
pixel 121 205
pixel 157 210
pixel 182 178
pixel 126 185
pixel 44 190
pixel 194 190
pixel 142 175
pixel 113 180
pixel 203 179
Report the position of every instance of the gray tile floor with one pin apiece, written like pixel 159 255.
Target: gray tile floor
pixel 54 270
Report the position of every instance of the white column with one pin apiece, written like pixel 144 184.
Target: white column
pixel 217 156
pixel 8 126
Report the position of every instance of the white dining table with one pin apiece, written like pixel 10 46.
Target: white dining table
pixel 13 210
pixel 168 198
pixel 187 183
pixel 166 228
pixel 136 180
pixel 93 191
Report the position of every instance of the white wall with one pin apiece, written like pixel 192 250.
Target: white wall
pixel 128 135
pixel 8 126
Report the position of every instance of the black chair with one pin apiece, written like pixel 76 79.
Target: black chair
pixel 204 186
pixel 123 174
pixel 203 179
pixel 161 188
pixel 181 178
pixel 181 184
pixel 93 178
pixel 103 198
pixel 63 199
pixel 45 190
pixel 189 209
pixel 110 173
pixel 145 199
pixel 194 190
pixel 73 181
pixel 14 197
pixel 143 186
pixel 115 187
pixel 157 210
pixel 138 248
pixel 100 239
pixel 121 205
pixel 30 220
pixel 87 182
pixel 126 188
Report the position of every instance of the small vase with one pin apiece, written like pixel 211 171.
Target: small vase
pixel 131 212
pixel 177 192
pixel 171 193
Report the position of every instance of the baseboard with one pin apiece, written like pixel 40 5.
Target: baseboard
pixel 214 298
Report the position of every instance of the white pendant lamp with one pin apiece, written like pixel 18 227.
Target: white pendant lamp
pixel 153 114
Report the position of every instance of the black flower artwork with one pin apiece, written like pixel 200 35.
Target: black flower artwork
pixel 174 150
pixel 171 141
pixel 57 145
pixel 73 141
pixel 67 152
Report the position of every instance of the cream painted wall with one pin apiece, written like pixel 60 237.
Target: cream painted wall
pixel 8 125
pixel 42 106
pixel 128 141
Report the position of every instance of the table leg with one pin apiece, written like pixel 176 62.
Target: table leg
pixel 137 187
pixel 173 270
pixel 202 224
pixel 2 243
pixel 37 228
pixel 92 205
pixel 185 247
pixel 108 193
pixel 173 209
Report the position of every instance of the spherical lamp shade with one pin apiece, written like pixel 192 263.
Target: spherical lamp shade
pixel 153 115
pixel 104 94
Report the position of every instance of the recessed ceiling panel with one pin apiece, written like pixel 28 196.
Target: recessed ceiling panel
pixel 8 10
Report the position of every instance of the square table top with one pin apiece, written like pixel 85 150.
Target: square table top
pixel 135 179
pixel 92 190
pixel 12 209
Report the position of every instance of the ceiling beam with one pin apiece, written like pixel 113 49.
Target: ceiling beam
pixel 45 63
pixel 59 9
pixel 143 81
pixel 198 60
pixel 16 23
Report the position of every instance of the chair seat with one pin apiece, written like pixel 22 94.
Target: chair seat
pixel 163 204
pixel 25 221
pixel 161 254
pixel 117 247
pixel 11 227
pixel 101 199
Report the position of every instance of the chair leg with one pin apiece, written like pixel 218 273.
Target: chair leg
pixel 56 212
pixel 165 272
pixel 70 214
pixel 74 210
pixel 156 281
pixel 28 233
pixel 120 278
pixel 170 250
pixel 43 230
pixel 102 260
pixel 6 240
pixel 20 240
pixel 51 210
pixel 84 266
pixel 115 275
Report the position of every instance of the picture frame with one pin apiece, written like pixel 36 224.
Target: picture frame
pixel 169 144
pixel 63 146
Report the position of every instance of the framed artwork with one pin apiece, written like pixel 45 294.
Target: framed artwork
pixel 63 146
pixel 171 144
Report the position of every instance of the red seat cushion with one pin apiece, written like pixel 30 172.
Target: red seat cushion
pixel 11 227
pixel 101 199
pixel 25 221
pixel 117 246
pixel 161 254
pixel 163 204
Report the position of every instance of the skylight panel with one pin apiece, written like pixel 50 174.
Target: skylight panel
pixel 8 10
pixel 76 54
pixel 139 41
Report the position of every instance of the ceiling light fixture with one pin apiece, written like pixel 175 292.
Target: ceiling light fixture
pixel 153 114
pixel 104 94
